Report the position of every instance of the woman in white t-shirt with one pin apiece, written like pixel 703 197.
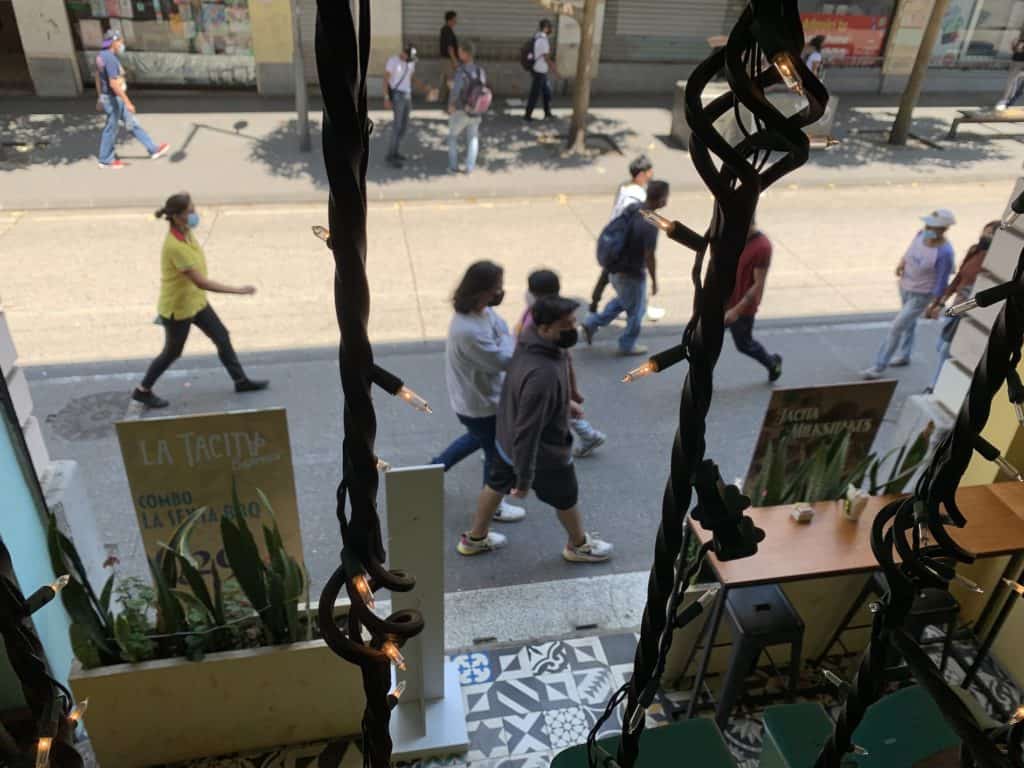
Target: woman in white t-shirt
pixel 812 55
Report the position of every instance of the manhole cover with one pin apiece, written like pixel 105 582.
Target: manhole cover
pixel 90 417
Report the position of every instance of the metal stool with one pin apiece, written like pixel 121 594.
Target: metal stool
pixel 931 607
pixel 761 617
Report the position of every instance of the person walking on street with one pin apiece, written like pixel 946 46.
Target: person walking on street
pixel 1015 77
pixel 962 286
pixel 401 77
pixel 183 303
pixel 542 67
pixel 742 306
pixel 534 445
pixel 812 55
pixel 449 53
pixel 924 274
pixel 541 283
pixel 478 349
pixel 628 271
pixel 470 80
pixel 112 99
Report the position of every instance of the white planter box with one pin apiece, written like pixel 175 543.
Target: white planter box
pixel 173 709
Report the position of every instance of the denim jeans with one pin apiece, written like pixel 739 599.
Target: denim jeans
pixel 116 114
pixel 458 122
pixel 631 298
pixel 175 336
pixel 742 331
pixel 540 87
pixel 480 433
pixel 401 105
pixel 901 332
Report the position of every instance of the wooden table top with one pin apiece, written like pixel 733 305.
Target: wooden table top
pixel 831 545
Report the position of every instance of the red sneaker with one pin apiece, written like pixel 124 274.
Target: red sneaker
pixel 116 165
pixel 162 150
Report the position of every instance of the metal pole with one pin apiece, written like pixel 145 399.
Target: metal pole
pixel 901 128
pixel 299 70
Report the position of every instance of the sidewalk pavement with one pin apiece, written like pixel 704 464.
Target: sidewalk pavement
pixel 239 148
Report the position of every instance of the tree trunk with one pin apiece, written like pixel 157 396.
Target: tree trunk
pixel 901 128
pixel 584 68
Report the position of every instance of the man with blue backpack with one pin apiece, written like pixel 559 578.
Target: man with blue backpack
pixel 469 99
pixel 626 248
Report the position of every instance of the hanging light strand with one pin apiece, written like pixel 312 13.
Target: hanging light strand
pixel 342 53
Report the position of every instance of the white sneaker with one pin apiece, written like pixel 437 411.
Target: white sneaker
pixel 470 546
pixel 587 445
pixel 592 550
pixel 1000 106
pixel 870 374
pixel 509 513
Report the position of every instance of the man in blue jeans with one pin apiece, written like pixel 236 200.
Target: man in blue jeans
pixel 924 274
pixel 628 275
pixel 114 101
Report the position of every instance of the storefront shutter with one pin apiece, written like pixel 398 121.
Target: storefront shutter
pixel 664 30
pixel 497 27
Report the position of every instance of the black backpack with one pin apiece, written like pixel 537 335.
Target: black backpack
pixel 526 54
pixel 614 237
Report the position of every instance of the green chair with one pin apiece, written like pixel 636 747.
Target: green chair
pixel 898 730
pixel 693 742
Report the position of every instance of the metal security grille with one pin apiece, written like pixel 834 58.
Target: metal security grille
pixel 664 30
pixel 307 9
pixel 497 27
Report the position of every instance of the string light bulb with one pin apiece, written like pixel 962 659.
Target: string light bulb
pixel 1018 716
pixel 640 371
pixel 655 218
pixel 322 232
pixel 414 400
pixel 382 466
pixel 76 714
pixel 390 649
pixel 1018 408
pixel 60 583
pixel 968 584
pixel 398 690
pixel 786 68
pixel 1015 587
pixel 43 752
pixel 362 585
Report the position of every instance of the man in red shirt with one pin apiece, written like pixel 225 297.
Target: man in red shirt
pixel 746 297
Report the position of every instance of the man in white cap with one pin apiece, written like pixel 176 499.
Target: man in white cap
pixel 112 98
pixel 924 274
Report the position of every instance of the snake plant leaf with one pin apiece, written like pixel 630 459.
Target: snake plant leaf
pixel 219 614
pixel 170 616
pixel 84 648
pixel 101 635
pixel 65 559
pixel 105 596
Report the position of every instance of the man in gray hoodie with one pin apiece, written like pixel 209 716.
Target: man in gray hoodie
pixel 534 444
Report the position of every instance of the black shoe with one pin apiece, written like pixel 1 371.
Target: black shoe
pixel 148 399
pixel 776 369
pixel 588 333
pixel 395 162
pixel 250 385
pixel 400 157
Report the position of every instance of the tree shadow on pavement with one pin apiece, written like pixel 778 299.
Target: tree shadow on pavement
pixel 56 139
pixel 864 139
pixel 506 143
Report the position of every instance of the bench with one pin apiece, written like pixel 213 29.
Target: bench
pixel 1008 115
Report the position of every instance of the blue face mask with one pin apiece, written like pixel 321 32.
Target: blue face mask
pixel 193 220
pixel 123 49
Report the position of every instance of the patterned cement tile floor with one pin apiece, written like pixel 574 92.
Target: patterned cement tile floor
pixel 526 703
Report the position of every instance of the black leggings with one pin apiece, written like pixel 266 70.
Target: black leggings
pixel 175 335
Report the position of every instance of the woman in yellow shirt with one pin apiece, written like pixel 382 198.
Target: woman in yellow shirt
pixel 183 287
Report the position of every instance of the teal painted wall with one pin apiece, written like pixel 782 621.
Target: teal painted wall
pixel 24 533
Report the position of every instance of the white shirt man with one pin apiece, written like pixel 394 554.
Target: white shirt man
pixel 400 73
pixel 541 51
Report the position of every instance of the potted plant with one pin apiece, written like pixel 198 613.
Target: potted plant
pixel 180 668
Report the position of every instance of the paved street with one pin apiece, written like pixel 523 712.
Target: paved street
pixel 621 485
pixel 82 320
pixel 91 292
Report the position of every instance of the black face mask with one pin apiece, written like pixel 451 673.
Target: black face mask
pixel 984 242
pixel 497 299
pixel 568 338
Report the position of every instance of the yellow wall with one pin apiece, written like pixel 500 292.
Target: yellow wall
pixel 271 31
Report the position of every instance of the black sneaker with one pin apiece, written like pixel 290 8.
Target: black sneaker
pixel 588 334
pixel 148 399
pixel 776 370
pixel 251 385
